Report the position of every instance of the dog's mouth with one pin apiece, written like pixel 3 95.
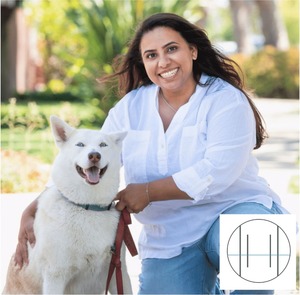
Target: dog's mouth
pixel 91 175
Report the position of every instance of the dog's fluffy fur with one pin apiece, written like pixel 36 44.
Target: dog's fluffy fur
pixel 72 250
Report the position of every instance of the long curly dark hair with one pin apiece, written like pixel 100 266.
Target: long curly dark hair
pixel 131 73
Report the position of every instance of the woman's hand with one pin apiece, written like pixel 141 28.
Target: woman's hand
pixel 135 197
pixel 26 234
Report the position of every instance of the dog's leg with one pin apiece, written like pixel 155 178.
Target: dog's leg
pixel 54 283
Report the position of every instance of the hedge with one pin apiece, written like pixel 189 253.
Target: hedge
pixel 271 73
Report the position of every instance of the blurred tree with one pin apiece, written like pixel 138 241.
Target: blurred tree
pixel 61 44
pixel 272 26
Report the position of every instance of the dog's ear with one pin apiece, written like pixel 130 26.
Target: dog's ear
pixel 60 129
pixel 118 137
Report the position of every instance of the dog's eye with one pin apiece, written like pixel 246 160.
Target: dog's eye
pixel 102 144
pixel 80 144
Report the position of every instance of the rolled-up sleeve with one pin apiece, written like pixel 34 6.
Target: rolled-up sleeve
pixel 231 137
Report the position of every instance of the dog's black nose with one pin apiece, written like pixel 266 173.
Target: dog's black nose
pixel 94 157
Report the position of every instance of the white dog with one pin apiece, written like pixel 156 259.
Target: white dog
pixel 75 225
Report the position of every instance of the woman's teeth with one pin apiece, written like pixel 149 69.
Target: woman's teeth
pixel 169 74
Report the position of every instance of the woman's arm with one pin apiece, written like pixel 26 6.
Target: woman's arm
pixel 26 234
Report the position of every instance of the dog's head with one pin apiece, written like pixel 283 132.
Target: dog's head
pixel 88 156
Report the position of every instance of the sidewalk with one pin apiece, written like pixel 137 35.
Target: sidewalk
pixel 279 155
pixel 278 164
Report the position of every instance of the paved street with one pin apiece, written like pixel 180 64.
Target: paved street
pixel 278 163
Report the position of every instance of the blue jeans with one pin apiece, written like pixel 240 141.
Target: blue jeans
pixel 195 270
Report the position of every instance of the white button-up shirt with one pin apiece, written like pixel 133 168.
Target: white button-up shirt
pixel 207 149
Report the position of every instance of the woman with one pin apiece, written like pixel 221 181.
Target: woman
pixel 187 156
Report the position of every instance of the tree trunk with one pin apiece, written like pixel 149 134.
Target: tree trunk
pixel 241 24
pixel 272 26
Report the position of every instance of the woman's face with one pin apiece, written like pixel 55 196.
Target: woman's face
pixel 168 59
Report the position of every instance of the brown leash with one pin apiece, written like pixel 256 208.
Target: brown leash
pixel 123 234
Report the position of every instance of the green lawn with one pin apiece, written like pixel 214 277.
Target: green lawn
pixel 39 144
pixel 86 114
pixel 29 124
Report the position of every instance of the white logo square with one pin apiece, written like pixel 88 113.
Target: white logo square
pixel 257 252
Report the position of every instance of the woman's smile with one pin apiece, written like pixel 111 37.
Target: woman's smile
pixel 169 74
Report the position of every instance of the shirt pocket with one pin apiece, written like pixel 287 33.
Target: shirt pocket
pixel 192 144
pixel 134 155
